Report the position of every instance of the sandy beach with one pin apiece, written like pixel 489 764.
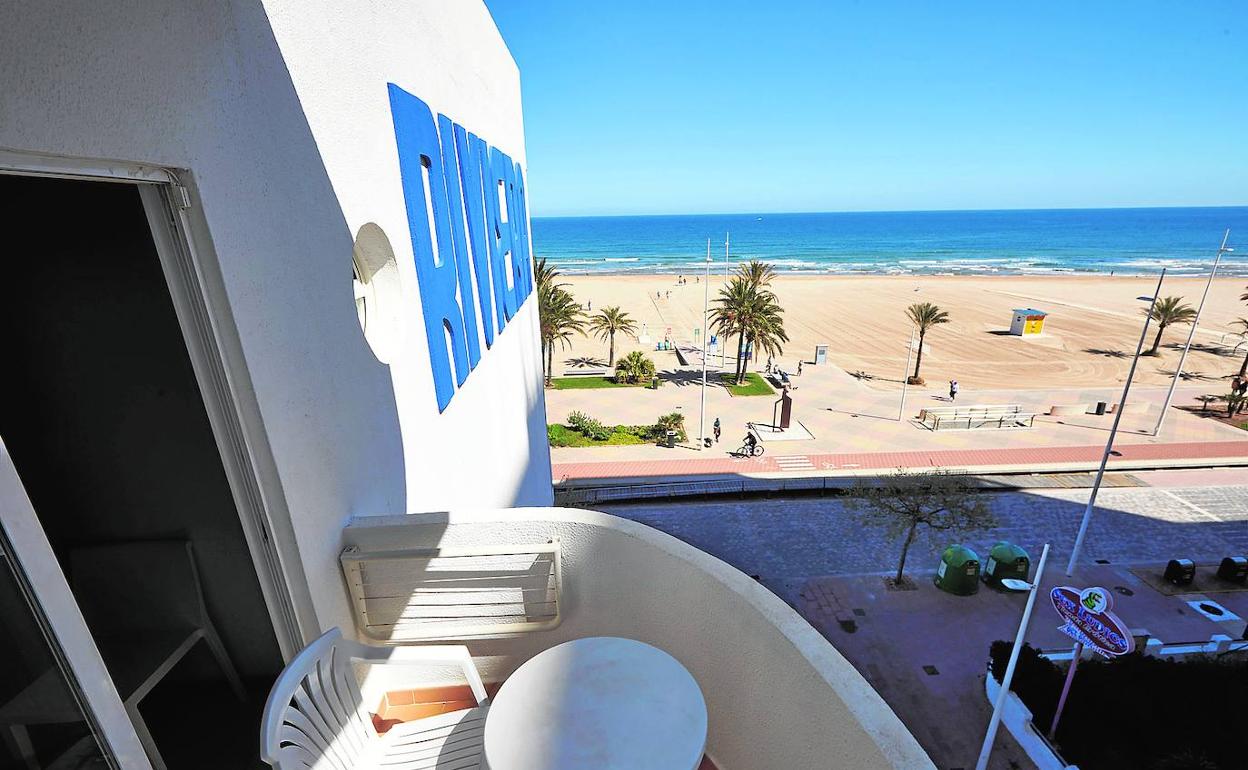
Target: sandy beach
pixel 1090 335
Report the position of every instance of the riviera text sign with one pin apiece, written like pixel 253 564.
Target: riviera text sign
pixel 1089 620
pixel 468 223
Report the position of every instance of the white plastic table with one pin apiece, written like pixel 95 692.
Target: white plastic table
pixel 604 703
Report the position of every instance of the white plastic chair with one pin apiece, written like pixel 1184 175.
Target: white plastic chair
pixel 316 719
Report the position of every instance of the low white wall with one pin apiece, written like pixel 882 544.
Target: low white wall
pixel 778 694
pixel 1017 719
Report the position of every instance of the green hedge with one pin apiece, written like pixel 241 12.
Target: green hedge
pixel 1139 712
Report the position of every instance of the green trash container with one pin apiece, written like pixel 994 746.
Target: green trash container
pixel 1006 560
pixel 959 571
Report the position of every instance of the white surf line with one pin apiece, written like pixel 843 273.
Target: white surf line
pixel 1185 503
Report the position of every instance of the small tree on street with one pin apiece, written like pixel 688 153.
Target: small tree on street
pixel 937 501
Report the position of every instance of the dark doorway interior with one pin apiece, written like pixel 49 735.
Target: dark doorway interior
pixel 102 415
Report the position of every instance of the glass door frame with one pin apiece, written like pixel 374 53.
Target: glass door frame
pixel 52 602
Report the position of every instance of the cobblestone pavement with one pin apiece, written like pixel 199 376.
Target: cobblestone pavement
pixel 789 539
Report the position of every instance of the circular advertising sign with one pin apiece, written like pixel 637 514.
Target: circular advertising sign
pixel 1090 621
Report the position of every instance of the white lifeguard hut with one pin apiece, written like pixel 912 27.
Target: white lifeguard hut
pixel 1027 322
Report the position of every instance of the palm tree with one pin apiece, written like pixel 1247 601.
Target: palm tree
pixel 1243 324
pixel 758 274
pixel 729 317
pixel 924 315
pixel 546 274
pixel 766 329
pixel 750 311
pixel 1166 311
pixel 560 317
pixel 609 321
pixel 634 367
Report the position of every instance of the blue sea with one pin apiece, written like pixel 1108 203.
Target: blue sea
pixel 1123 241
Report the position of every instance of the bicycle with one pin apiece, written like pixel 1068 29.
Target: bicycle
pixel 745 451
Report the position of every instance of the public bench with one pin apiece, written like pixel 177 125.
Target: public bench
pixel 977 416
pixel 583 372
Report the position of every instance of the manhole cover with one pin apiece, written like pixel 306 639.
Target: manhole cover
pixel 931 670
pixel 1124 590
pixel 860 612
pixel 848 626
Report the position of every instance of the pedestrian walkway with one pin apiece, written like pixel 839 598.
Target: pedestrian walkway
pixel 1029 458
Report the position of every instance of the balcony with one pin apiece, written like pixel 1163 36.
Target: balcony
pixel 778 695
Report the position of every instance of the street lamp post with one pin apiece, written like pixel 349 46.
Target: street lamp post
pixel 1178 372
pixel 1033 588
pixel 706 299
pixel 905 377
pixel 1113 432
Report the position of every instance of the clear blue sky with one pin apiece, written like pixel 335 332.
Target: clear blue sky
pixel 685 106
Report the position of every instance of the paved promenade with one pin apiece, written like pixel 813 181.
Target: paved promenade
pixel 1030 458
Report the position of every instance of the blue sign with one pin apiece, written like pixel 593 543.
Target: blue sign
pixel 479 234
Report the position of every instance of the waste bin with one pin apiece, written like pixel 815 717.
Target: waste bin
pixel 1101 406
pixel 1180 571
pixel 1234 569
pixel 1006 560
pixel 654 383
pixel 958 572
pixel 670 442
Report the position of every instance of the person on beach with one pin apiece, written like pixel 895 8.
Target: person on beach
pixel 716 430
pixel 799 368
pixel 953 390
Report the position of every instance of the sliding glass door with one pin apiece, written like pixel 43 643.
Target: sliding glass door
pixel 59 709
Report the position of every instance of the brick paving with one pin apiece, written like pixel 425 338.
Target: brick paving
pixel 1022 457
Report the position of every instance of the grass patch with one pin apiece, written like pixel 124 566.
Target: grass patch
pixel 589 383
pixel 621 435
pixel 754 385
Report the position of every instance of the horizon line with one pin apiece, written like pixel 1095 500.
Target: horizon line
pixel 889 211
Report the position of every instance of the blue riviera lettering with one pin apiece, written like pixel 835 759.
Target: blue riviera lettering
pixel 466 215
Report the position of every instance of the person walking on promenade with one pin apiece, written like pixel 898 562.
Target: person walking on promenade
pixel 799 368
pixel 716 429
pixel 953 390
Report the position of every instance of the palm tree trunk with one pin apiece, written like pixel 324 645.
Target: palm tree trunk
pixel 740 355
pixel 918 360
pixel 550 361
pixel 1243 368
pixel 905 549
pixel 1156 340
pixel 545 368
pixel 745 362
pixel 611 354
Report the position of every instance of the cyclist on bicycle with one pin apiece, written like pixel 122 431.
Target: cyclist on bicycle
pixel 750 442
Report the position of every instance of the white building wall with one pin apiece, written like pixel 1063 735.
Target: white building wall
pixel 280 112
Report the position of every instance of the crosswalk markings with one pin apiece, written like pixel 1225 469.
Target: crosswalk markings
pixel 795 463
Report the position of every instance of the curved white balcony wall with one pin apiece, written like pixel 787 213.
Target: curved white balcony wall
pixel 778 694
